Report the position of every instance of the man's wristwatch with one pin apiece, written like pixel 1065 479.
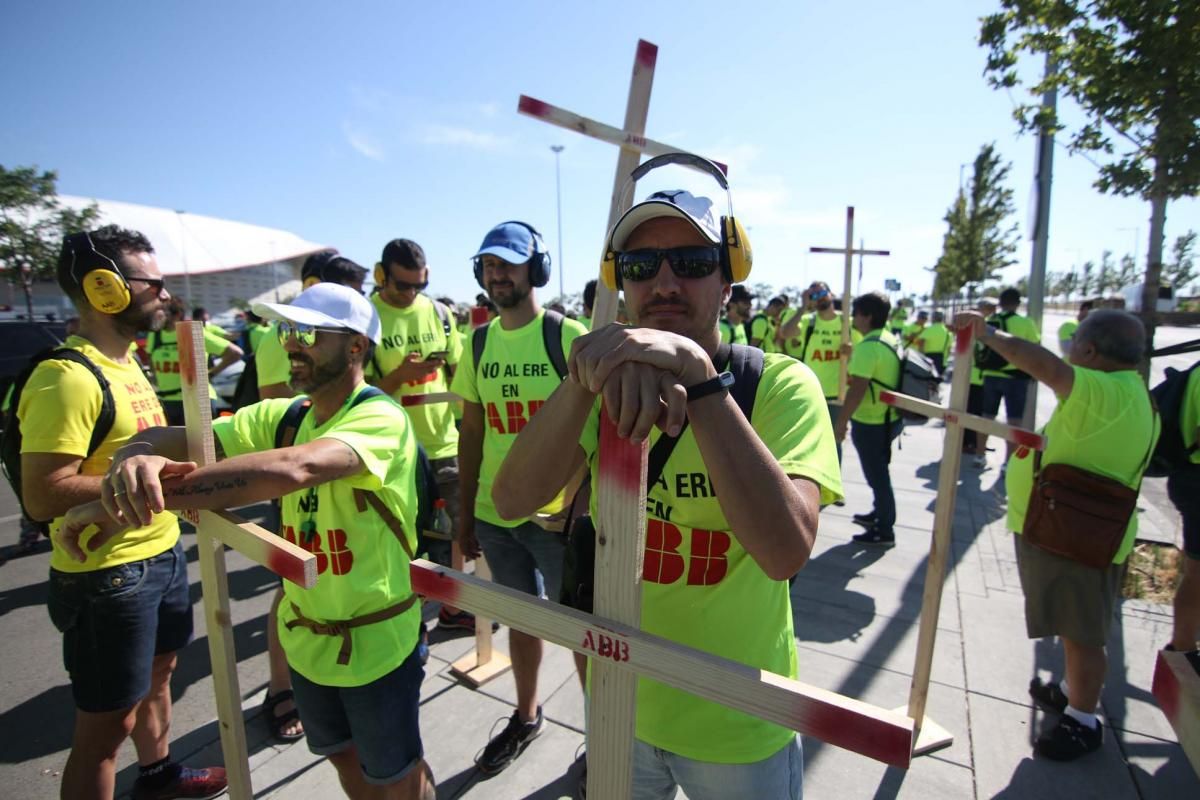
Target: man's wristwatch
pixel 721 383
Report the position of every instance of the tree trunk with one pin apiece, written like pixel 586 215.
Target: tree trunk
pixel 27 285
pixel 1158 221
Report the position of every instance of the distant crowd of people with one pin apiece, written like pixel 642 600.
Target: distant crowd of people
pixel 344 402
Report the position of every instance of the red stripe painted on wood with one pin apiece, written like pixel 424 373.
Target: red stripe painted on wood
pixel 533 107
pixel 860 734
pixel 479 316
pixel 1028 439
pixel 433 584
pixel 620 459
pixel 286 567
pixel 887 397
pixel 647 54
pixel 1165 688
pixel 962 342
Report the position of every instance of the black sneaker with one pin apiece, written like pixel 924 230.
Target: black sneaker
pixel 1048 695
pixel 510 743
pixel 875 537
pixel 1069 740
pixel 866 520
pixel 460 621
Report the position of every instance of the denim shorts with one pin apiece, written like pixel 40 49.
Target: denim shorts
pixel 1014 392
pixel 380 720
pixel 114 622
pixel 657 773
pixel 526 558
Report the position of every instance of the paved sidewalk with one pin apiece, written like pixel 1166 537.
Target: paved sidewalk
pixel 856 613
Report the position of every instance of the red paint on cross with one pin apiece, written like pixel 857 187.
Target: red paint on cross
pixel 286 566
pixel 647 54
pixel 186 355
pixel 1028 439
pixel 862 734
pixel 1165 688
pixel 962 342
pixel 433 583
pixel 887 397
pixel 533 107
pixel 620 459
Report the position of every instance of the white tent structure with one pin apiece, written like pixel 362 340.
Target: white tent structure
pixel 210 262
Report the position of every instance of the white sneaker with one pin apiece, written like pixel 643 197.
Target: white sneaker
pixel 980 462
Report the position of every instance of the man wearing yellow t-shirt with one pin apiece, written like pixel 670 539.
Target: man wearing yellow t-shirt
pixel 764 324
pixel 1003 381
pixel 502 389
pixel 1066 331
pixel 726 525
pixel 971 439
pixel 934 341
pixel 874 366
pixel 347 485
pixel 732 326
pixel 416 356
pixel 1104 423
pixel 911 332
pixel 123 605
pixel 164 360
pixel 816 339
pixel 274 381
pixel 1183 488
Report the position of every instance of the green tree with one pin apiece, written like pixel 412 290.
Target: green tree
pixel 978 243
pixel 1106 280
pixel 1180 271
pixel 1127 274
pixel 32 226
pixel 1087 279
pixel 1131 67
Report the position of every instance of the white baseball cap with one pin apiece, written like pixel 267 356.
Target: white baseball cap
pixel 328 305
pixel 698 210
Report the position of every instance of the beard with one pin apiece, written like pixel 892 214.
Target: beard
pixel 139 318
pixel 824 305
pixel 318 374
pixel 511 296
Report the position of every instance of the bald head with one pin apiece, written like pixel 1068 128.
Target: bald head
pixel 1117 336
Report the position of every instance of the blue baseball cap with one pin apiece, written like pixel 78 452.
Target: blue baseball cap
pixel 511 241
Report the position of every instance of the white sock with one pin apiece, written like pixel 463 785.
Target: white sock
pixel 1082 717
pixel 1063 685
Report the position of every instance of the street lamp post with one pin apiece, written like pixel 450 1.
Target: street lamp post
pixel 558 148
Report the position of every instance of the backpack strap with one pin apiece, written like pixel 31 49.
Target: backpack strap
pixel 478 343
pixel 285 431
pixel 552 325
pixel 812 324
pixel 444 315
pixel 746 365
pixel 363 499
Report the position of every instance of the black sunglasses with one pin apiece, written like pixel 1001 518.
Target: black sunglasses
pixel 686 262
pixel 156 283
pixel 405 286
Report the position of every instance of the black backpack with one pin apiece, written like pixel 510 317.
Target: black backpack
pixel 552 323
pixel 1172 453
pixel 988 359
pixel 10 440
pixel 246 391
pixel 748 326
pixel 426 480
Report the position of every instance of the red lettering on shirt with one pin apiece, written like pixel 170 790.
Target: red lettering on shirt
pixel 340 557
pixel 493 418
pixel 707 564
pixel 516 415
pixel 663 563
pixel 534 405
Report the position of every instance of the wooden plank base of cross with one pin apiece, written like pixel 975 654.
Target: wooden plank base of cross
pixel 930 735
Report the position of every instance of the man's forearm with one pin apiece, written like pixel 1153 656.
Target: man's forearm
pixel 247 479
pixel 167 442
pixel 64 495
pixel 854 397
pixel 546 446
pixel 770 516
pixel 1026 356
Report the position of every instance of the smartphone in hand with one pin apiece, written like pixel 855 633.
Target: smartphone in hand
pixel 437 354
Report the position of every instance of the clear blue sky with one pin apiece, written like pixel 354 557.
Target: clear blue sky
pixel 352 123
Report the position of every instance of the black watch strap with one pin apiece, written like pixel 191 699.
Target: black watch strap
pixel 721 383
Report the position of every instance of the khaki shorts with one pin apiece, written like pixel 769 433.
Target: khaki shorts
pixel 1064 598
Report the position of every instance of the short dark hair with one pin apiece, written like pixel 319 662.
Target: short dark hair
pixel 342 270
pixel 589 294
pixel 1010 297
pixel 780 299
pixel 110 241
pixel 1087 305
pixel 198 312
pixel 873 305
pixel 403 253
pixel 314 265
pixel 738 293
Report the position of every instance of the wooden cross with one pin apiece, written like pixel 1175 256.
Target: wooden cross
pixel 930 735
pixel 215 530
pixel 849 252
pixel 1176 687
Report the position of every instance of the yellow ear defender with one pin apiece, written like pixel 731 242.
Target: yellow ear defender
pixel 98 276
pixel 737 258
pixel 380 275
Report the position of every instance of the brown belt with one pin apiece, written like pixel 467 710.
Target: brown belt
pixel 341 627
